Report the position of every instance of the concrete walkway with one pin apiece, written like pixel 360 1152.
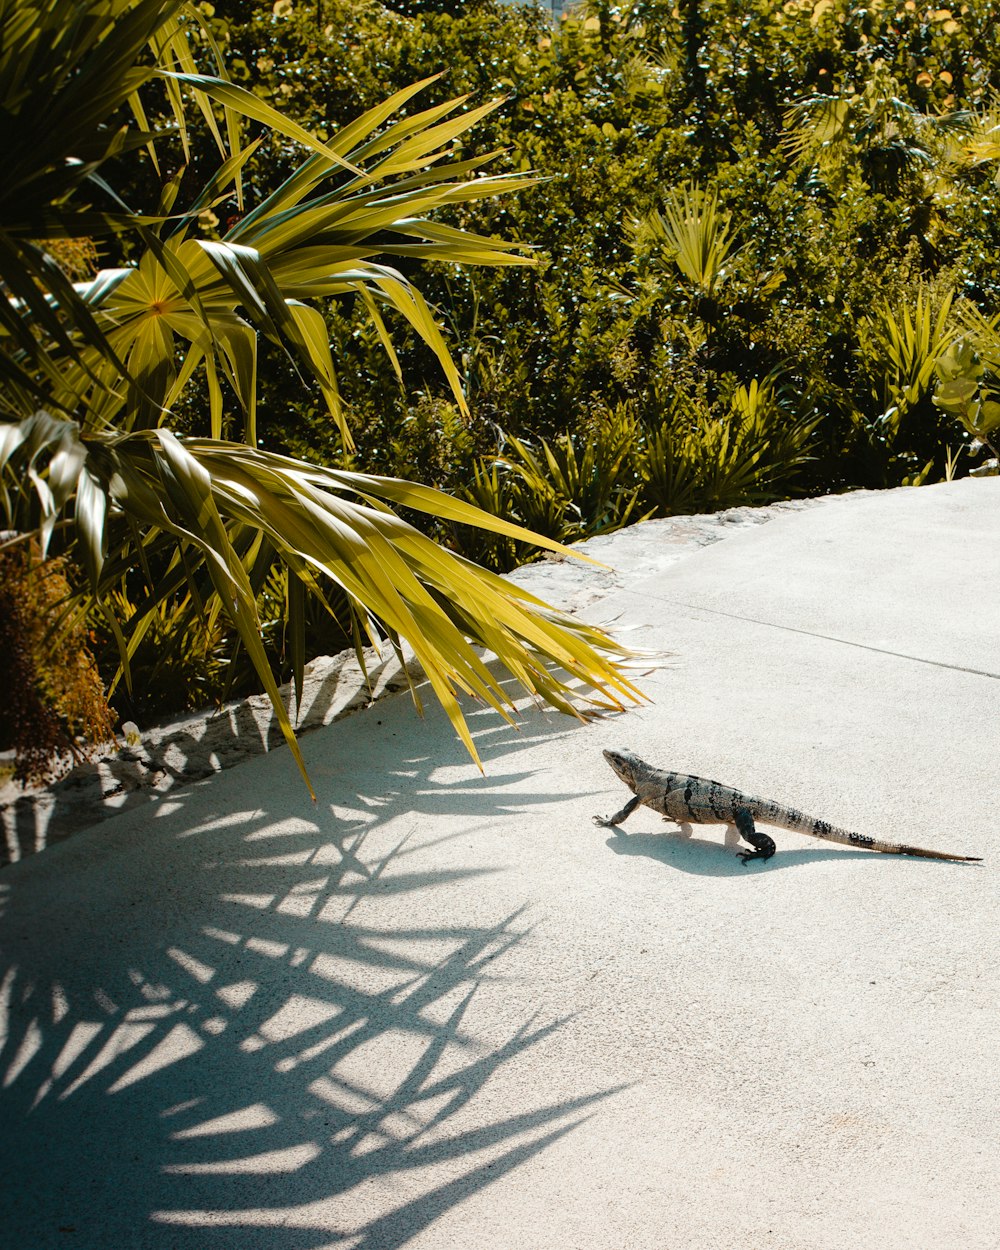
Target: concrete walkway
pixel 439 1010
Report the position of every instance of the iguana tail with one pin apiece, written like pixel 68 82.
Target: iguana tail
pixel 790 818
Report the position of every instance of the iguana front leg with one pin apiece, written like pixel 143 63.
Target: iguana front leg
pixel 611 821
pixel 764 847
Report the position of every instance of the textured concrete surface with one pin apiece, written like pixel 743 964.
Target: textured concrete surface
pixel 441 1010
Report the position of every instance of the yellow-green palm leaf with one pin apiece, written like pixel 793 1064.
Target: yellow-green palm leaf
pixel 215 500
pixel 89 374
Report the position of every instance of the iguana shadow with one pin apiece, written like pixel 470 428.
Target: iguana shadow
pixel 715 857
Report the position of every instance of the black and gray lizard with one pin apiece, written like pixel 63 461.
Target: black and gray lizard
pixel 685 799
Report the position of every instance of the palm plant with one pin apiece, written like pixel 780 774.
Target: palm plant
pixel 886 135
pixel 702 459
pixel 90 372
pixel 902 347
pixel 575 487
pixel 695 234
pixel 981 145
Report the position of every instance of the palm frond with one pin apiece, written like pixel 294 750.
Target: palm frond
pixel 876 126
pixel 903 345
pixel 983 144
pixel 816 128
pixel 93 369
pixel 215 500
pixel 65 72
pixel 193 302
pixel 697 233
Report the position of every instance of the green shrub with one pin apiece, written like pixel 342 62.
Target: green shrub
pixel 53 707
pixel 828 136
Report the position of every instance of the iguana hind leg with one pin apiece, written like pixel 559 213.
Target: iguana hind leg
pixel 764 847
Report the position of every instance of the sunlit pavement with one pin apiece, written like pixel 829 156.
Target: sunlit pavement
pixel 438 1009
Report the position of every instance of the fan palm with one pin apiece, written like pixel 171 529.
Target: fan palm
pixel 89 373
pixel 888 136
pixel 694 232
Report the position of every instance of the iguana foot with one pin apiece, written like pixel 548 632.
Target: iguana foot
pixel 764 847
pixel 747 856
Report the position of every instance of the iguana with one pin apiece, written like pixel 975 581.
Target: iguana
pixel 684 798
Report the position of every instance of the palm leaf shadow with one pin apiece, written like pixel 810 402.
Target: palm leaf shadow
pixel 203 1074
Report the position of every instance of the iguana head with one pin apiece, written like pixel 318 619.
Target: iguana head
pixel 626 764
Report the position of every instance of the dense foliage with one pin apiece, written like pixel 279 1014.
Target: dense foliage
pixel 841 153
pixel 52 700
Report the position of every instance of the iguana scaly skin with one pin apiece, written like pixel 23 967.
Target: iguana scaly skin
pixel 682 798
